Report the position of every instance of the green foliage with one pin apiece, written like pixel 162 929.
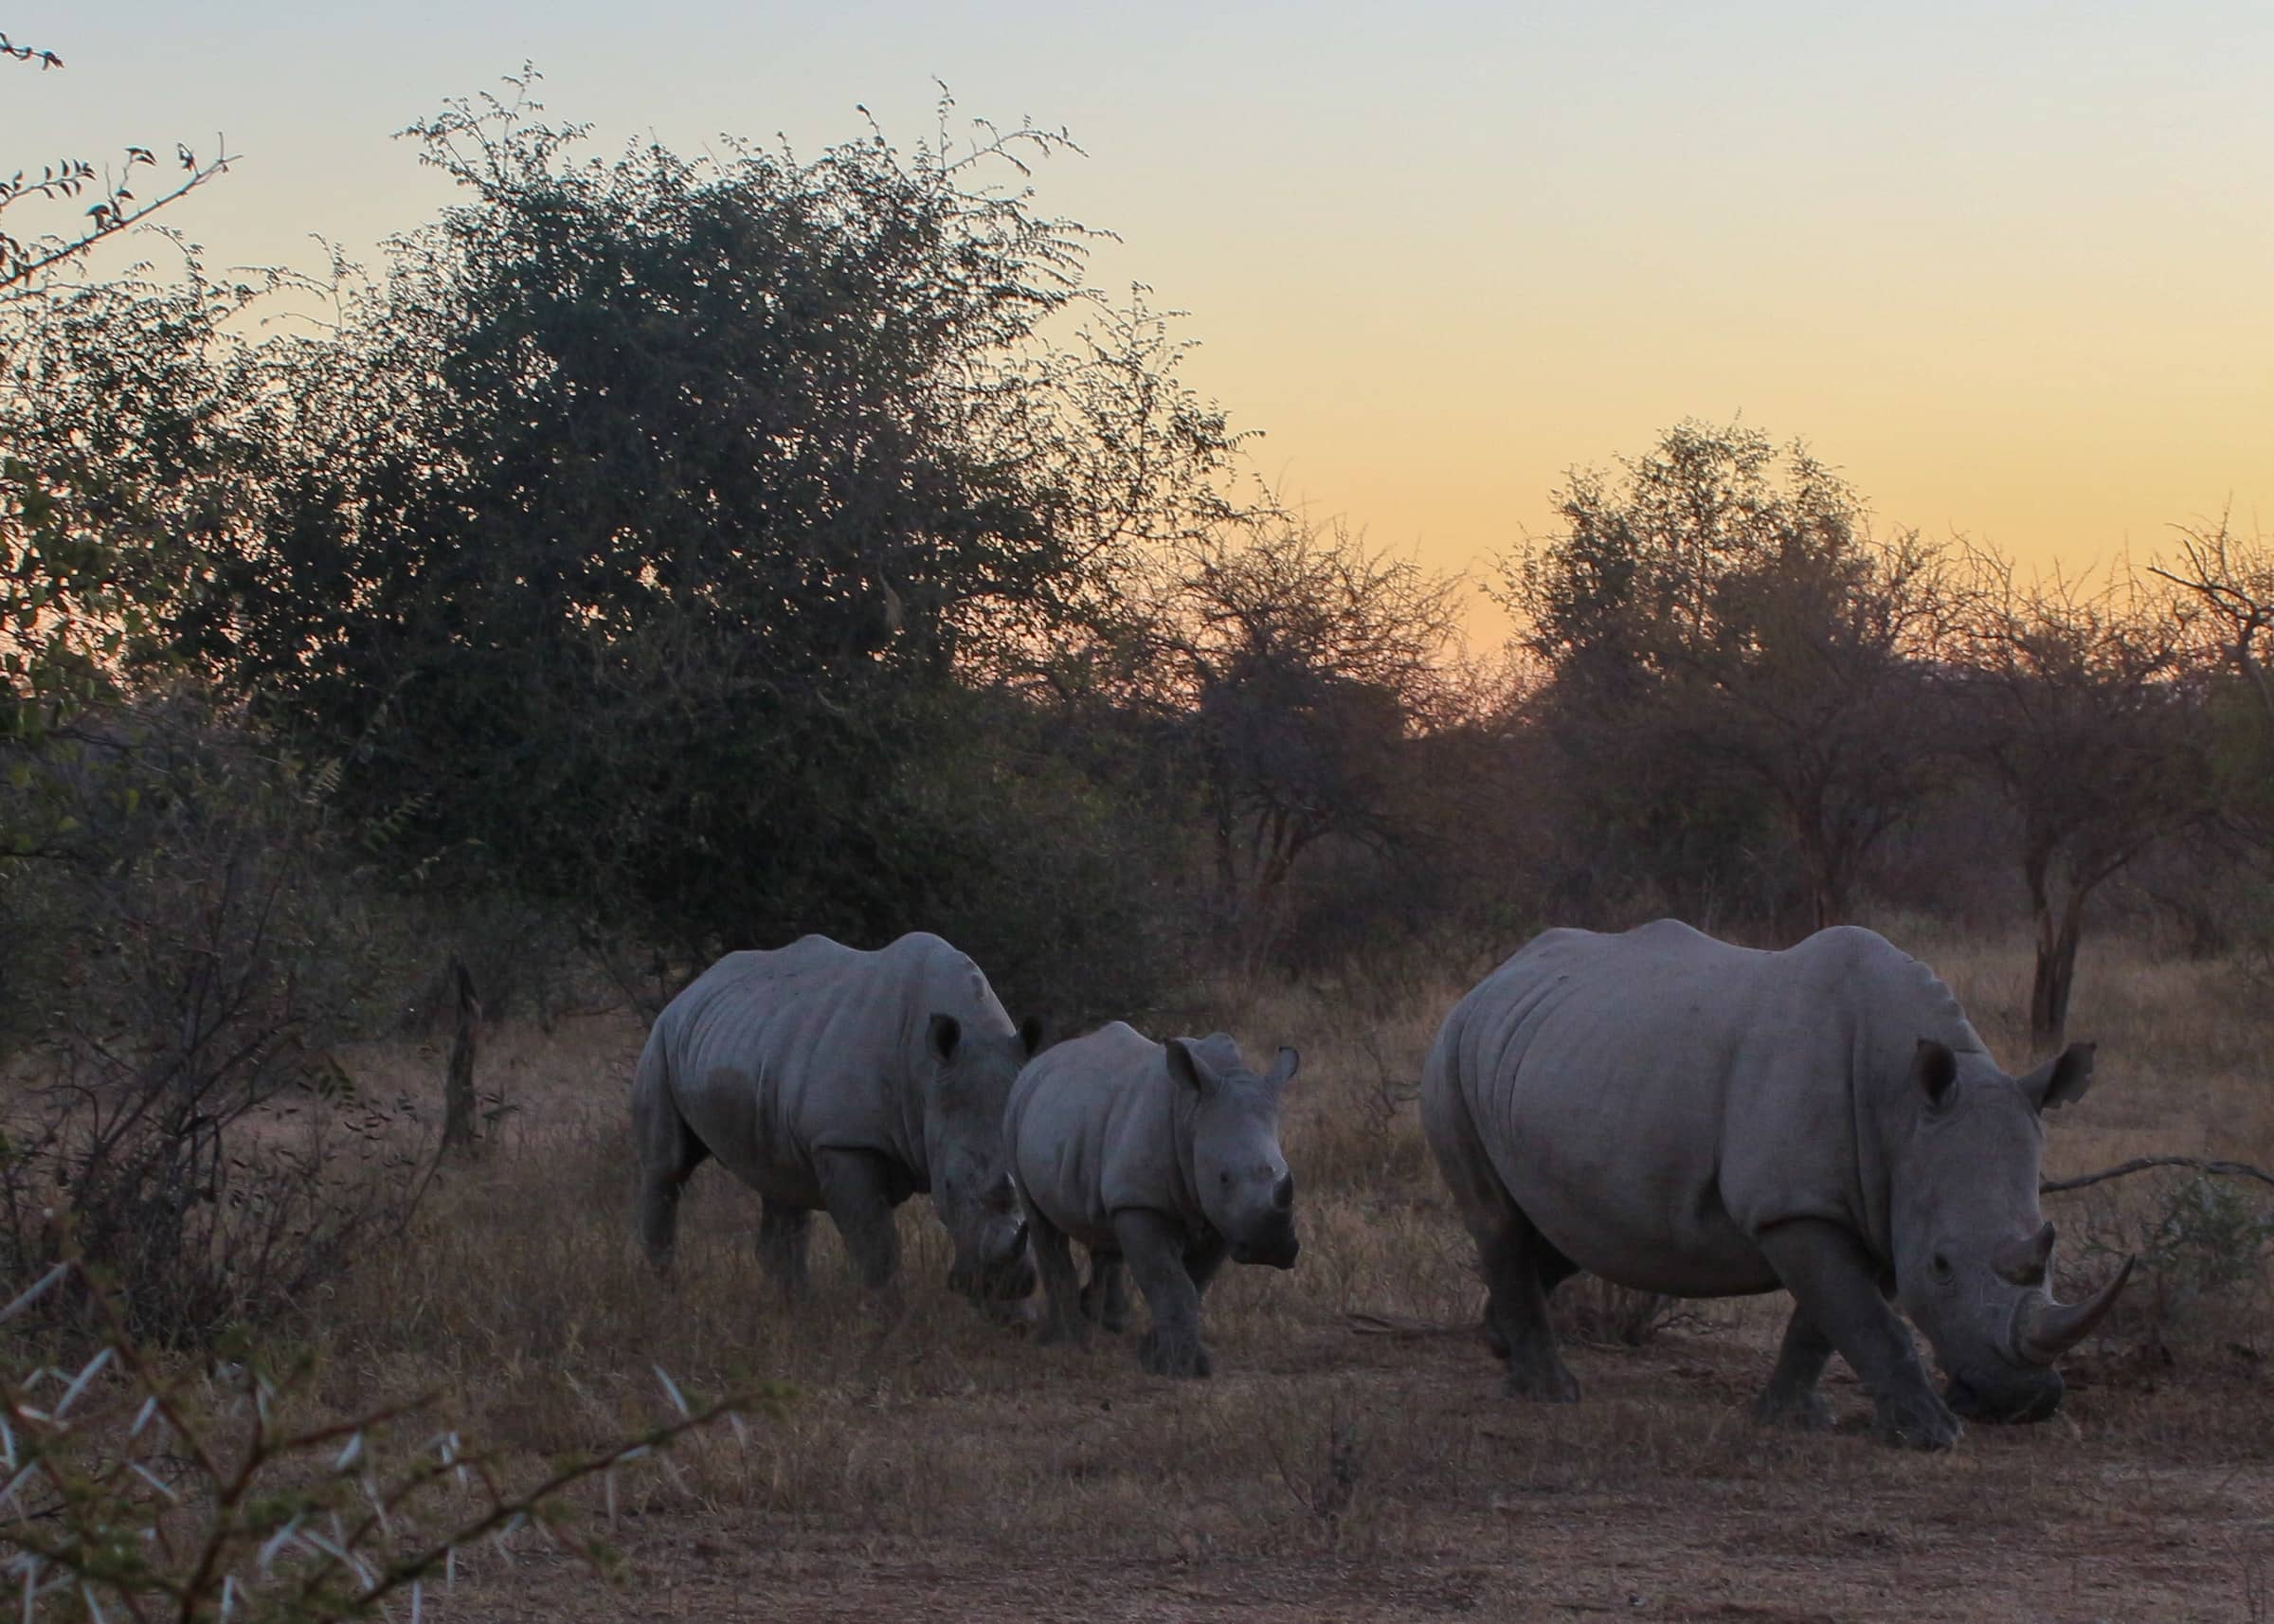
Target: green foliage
pixel 1730 651
pixel 125 461
pixel 630 542
pixel 134 1492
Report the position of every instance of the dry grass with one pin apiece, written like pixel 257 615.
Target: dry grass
pixel 943 1467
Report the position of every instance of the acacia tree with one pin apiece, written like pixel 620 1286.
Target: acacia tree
pixel 2230 579
pixel 2084 708
pixel 1303 664
pixel 1723 630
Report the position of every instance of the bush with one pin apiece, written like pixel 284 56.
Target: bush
pixel 189 949
pixel 129 1493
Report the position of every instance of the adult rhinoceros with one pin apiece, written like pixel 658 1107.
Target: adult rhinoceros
pixel 1683 1116
pixel 822 1076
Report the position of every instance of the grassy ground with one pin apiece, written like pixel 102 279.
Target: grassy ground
pixel 941 1467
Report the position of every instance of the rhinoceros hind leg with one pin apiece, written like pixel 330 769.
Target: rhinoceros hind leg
pixel 1154 1247
pixel 856 1188
pixel 1519 1267
pixel 668 1153
pixel 1791 1398
pixel 782 1231
pixel 1062 1320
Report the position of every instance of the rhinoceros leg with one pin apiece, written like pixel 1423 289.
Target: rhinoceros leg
pixel 1106 1297
pixel 856 1188
pixel 1519 1267
pixel 1791 1398
pixel 782 1231
pixel 1062 1320
pixel 668 1153
pixel 1836 1284
pixel 1154 1246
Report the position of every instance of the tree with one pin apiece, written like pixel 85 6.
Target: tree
pixel 108 449
pixel 1306 663
pixel 2084 708
pixel 1727 633
pixel 634 538
pixel 2230 580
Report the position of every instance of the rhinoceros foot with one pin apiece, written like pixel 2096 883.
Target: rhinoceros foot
pixel 1916 1420
pixel 1172 1354
pixel 1802 1412
pixel 1550 1385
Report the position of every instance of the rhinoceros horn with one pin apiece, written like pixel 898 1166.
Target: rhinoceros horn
pixel 2044 1329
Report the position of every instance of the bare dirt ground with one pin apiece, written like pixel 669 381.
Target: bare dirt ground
pixel 943 1469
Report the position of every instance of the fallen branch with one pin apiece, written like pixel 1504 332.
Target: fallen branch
pixel 1404 1328
pixel 2141 1165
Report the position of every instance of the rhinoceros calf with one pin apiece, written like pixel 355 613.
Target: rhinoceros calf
pixel 1683 1116
pixel 1162 1154
pixel 822 1076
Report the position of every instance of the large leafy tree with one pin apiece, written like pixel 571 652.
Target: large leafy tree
pixel 638 533
pixel 1729 646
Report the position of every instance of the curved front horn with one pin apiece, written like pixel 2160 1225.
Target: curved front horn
pixel 2046 1329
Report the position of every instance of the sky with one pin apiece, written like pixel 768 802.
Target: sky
pixel 2005 266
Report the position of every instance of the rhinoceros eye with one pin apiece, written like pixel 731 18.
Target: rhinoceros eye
pixel 1941 1267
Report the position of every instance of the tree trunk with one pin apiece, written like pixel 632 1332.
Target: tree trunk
pixel 458 1082
pixel 2058 932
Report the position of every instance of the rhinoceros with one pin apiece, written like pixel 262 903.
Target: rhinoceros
pixel 1164 1155
pixel 1683 1116
pixel 823 1076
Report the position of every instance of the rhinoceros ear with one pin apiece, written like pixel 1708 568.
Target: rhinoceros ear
pixel 1030 1034
pixel 1935 1069
pixel 946 1033
pixel 1185 1067
pixel 2061 1080
pixel 1284 1069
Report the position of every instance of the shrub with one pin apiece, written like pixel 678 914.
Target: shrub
pixel 189 949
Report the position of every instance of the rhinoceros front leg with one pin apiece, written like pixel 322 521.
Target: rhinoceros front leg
pixel 1791 1398
pixel 856 1188
pixel 782 1233
pixel 1154 1246
pixel 1062 1319
pixel 1105 1296
pixel 1835 1283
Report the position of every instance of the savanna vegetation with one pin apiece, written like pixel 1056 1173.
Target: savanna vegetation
pixel 654 556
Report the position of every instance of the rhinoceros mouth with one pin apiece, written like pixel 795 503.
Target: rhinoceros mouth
pixel 1277 1254
pixel 2034 1401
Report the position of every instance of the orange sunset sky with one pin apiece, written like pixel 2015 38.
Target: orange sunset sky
pixel 2006 265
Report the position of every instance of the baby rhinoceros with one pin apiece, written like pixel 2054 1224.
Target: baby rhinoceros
pixel 1164 1155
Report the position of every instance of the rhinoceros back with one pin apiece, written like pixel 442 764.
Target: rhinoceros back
pixel 1652 1100
pixel 770 1057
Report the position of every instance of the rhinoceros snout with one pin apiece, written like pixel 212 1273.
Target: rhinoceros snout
pixel 2010 1403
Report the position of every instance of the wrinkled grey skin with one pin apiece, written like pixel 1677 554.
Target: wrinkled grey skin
pixel 1164 1155
pixel 826 1077
pixel 1683 1116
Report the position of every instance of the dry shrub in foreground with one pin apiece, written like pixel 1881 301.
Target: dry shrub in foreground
pixel 132 1491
